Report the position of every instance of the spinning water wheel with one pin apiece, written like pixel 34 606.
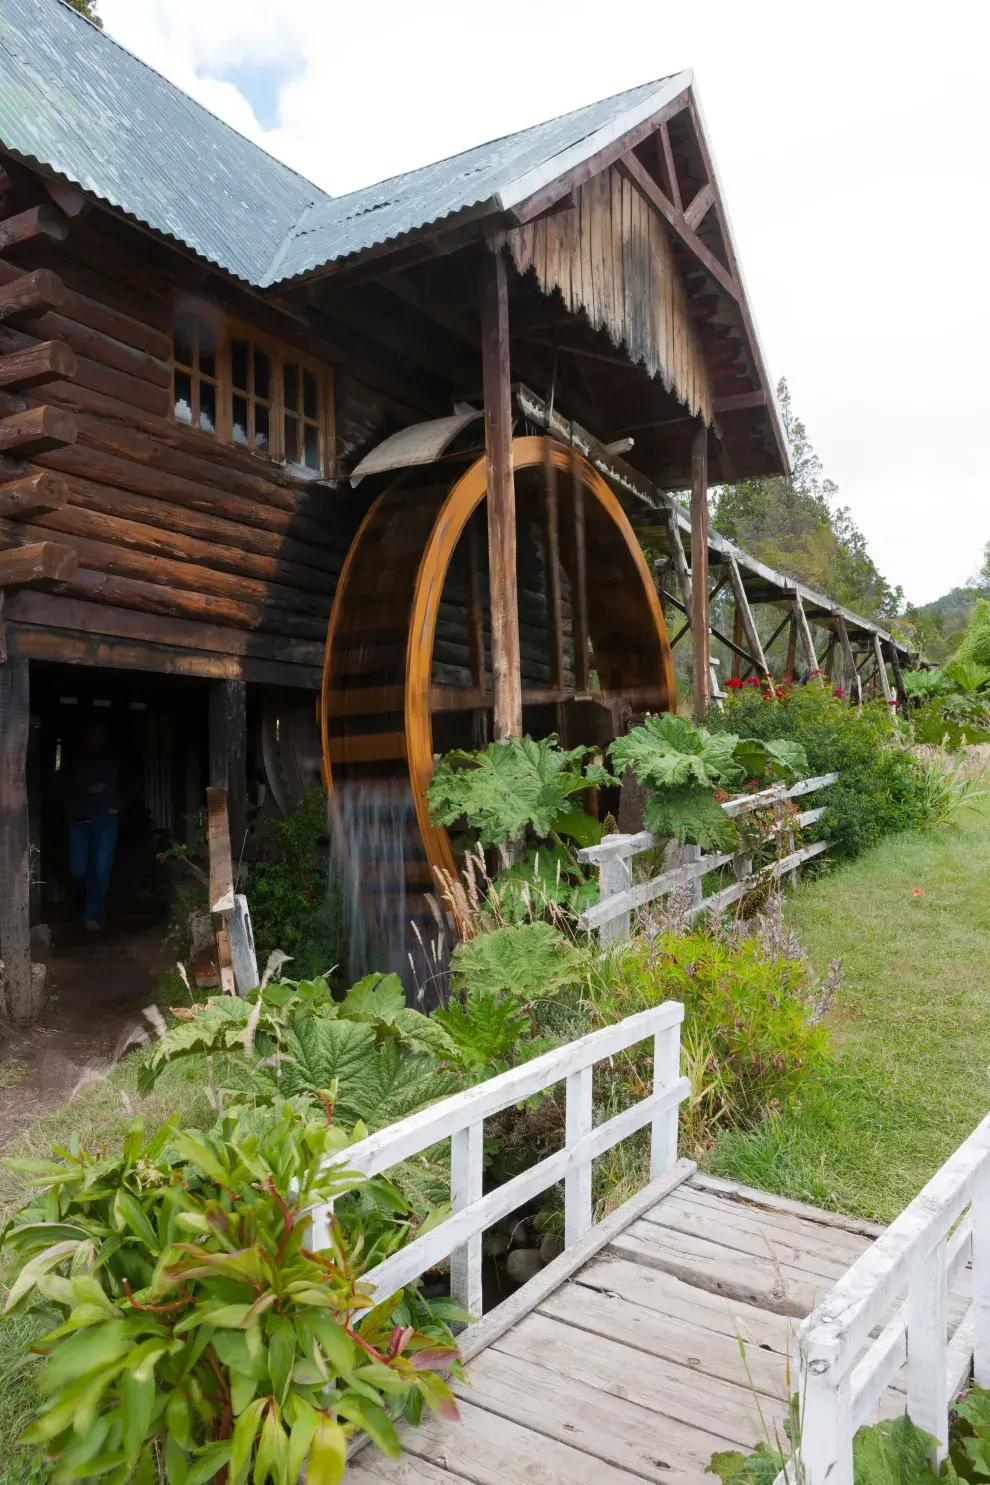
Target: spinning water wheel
pixel 407 673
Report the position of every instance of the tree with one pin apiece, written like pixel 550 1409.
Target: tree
pixel 981 577
pixel 88 9
pixel 792 522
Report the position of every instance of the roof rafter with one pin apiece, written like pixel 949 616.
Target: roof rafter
pixel 633 168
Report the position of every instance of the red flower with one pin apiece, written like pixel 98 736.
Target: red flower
pixel 917 892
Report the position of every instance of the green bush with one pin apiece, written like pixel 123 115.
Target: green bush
pixel 294 905
pixel 747 1030
pixel 195 1330
pixel 976 641
pixel 881 787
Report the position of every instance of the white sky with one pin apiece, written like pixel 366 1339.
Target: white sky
pixel 852 141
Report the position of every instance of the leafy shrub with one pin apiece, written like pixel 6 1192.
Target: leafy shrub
pixel 293 900
pixel 680 765
pixel 196 1330
pixel 532 961
pixel 975 643
pixel 881 787
pixel 514 786
pixel 747 1015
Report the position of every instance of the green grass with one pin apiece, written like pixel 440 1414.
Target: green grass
pixel 911 1027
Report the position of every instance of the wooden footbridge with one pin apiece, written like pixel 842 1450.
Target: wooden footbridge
pixel 679 1325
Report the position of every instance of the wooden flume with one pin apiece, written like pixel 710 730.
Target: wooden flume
pixel 407 671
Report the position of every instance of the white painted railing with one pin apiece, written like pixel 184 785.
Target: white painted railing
pixel 619 898
pixel 919 1259
pixel 461 1120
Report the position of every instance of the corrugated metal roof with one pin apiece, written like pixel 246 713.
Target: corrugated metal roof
pixel 503 172
pixel 78 103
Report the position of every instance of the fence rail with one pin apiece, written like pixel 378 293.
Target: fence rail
pixel 461 1120
pixel 920 1257
pixel 619 897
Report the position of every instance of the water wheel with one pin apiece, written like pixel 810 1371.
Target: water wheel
pixel 407 673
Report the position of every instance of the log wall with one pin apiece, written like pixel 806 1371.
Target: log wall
pixel 192 556
pixel 610 255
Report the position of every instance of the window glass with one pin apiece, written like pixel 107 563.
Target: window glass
pixel 290 385
pixel 239 364
pixel 194 372
pixel 207 406
pixel 182 396
pixel 241 420
pixel 311 451
pixel 292 446
pixel 309 395
pixel 261 426
pixel 261 374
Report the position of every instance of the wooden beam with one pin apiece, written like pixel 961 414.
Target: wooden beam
pixel 700 640
pixel 804 631
pixel 895 661
pixel 582 663
pixel 609 155
pixel 221 865
pixel 737 638
pixel 695 213
pixel 34 492
pixel 506 671
pixel 790 663
pixel 31 295
pixel 851 674
pixel 635 171
pixel 36 431
pixel 756 654
pixel 667 154
pixel 48 361
pixel 551 536
pixel 679 560
pixel 228 755
pixel 27 226
pixel 50 561
pixel 23 1002
pixel 739 401
pixel 888 694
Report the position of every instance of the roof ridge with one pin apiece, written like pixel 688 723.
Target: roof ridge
pixel 182 93
pixel 269 276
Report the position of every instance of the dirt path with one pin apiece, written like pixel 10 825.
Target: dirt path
pixel 98 987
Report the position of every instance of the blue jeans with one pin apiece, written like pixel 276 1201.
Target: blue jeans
pixel 91 847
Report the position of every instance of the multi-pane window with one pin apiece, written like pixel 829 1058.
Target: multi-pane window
pixel 252 392
pixel 194 374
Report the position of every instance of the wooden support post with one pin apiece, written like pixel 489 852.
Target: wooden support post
pixel 679 561
pixel 555 597
pixel 749 623
pixel 700 639
pixel 806 641
pixel 828 659
pixel 851 681
pixel 506 664
pixel 15 925
pixel 888 694
pixel 895 662
pixel 790 664
pixel 737 639
pixel 228 755
pixel 582 663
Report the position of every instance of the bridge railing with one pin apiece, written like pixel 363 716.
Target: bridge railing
pixel 620 897
pixel 461 1119
pixel 917 1261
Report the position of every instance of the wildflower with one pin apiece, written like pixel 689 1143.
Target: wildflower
pixel 917 891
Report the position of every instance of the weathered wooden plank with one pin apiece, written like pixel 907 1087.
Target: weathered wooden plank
pixel 501 502
pixel 221 868
pixel 228 760
pixel 834 1240
pixel 760 1241
pixel 738 1191
pixel 22 1001
pixel 749 623
pixel 663 1387
pixel 602 1426
pixel 700 640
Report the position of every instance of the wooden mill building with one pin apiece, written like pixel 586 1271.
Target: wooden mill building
pixel 211 370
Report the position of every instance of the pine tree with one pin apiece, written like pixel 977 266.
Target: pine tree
pixel 88 9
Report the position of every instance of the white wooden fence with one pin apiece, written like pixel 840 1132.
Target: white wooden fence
pixel 920 1257
pixel 461 1120
pixel 619 898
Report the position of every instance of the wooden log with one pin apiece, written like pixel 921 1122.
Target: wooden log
pixel 853 684
pixel 28 226
pixel 228 759
pixel 98 313
pixel 700 639
pixel 895 662
pixel 828 660
pixel 811 659
pixel 756 654
pixel 737 641
pixel 32 493
pixel 551 534
pixel 47 361
pixel 506 664
pixel 50 560
pixel 582 658
pixel 888 694
pixel 36 431
pixel 218 836
pixel 679 560
pixel 29 295
pixel 790 664
pixel 58 612
pixel 15 927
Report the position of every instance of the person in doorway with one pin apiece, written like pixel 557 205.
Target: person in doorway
pixel 92 802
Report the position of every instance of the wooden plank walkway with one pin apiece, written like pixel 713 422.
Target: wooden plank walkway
pixel 672 1342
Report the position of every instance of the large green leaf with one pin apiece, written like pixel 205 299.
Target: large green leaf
pixel 531 960
pixel 666 751
pixel 893 1452
pixel 375 998
pixel 692 817
pixel 508 788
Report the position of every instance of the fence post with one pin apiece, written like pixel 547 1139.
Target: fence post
pixel 577 1185
pixel 826 1423
pixel 614 875
pixel 981 1277
pixel 928 1393
pixel 466 1161
pixel 666 1070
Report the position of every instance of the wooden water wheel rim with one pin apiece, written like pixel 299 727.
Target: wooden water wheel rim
pixel 463 500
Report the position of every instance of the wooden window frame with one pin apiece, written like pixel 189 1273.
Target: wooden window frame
pixel 228 329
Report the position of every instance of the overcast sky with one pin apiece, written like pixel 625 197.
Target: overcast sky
pixel 852 141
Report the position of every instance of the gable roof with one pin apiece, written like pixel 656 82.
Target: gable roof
pixel 77 103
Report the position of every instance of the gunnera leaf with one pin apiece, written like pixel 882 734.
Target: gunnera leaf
pixel 508 788
pixel 531 960
pixel 692 817
pixel 893 1452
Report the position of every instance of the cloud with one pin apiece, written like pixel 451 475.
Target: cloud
pixel 851 142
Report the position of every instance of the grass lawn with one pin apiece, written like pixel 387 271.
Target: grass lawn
pixel 911 1027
